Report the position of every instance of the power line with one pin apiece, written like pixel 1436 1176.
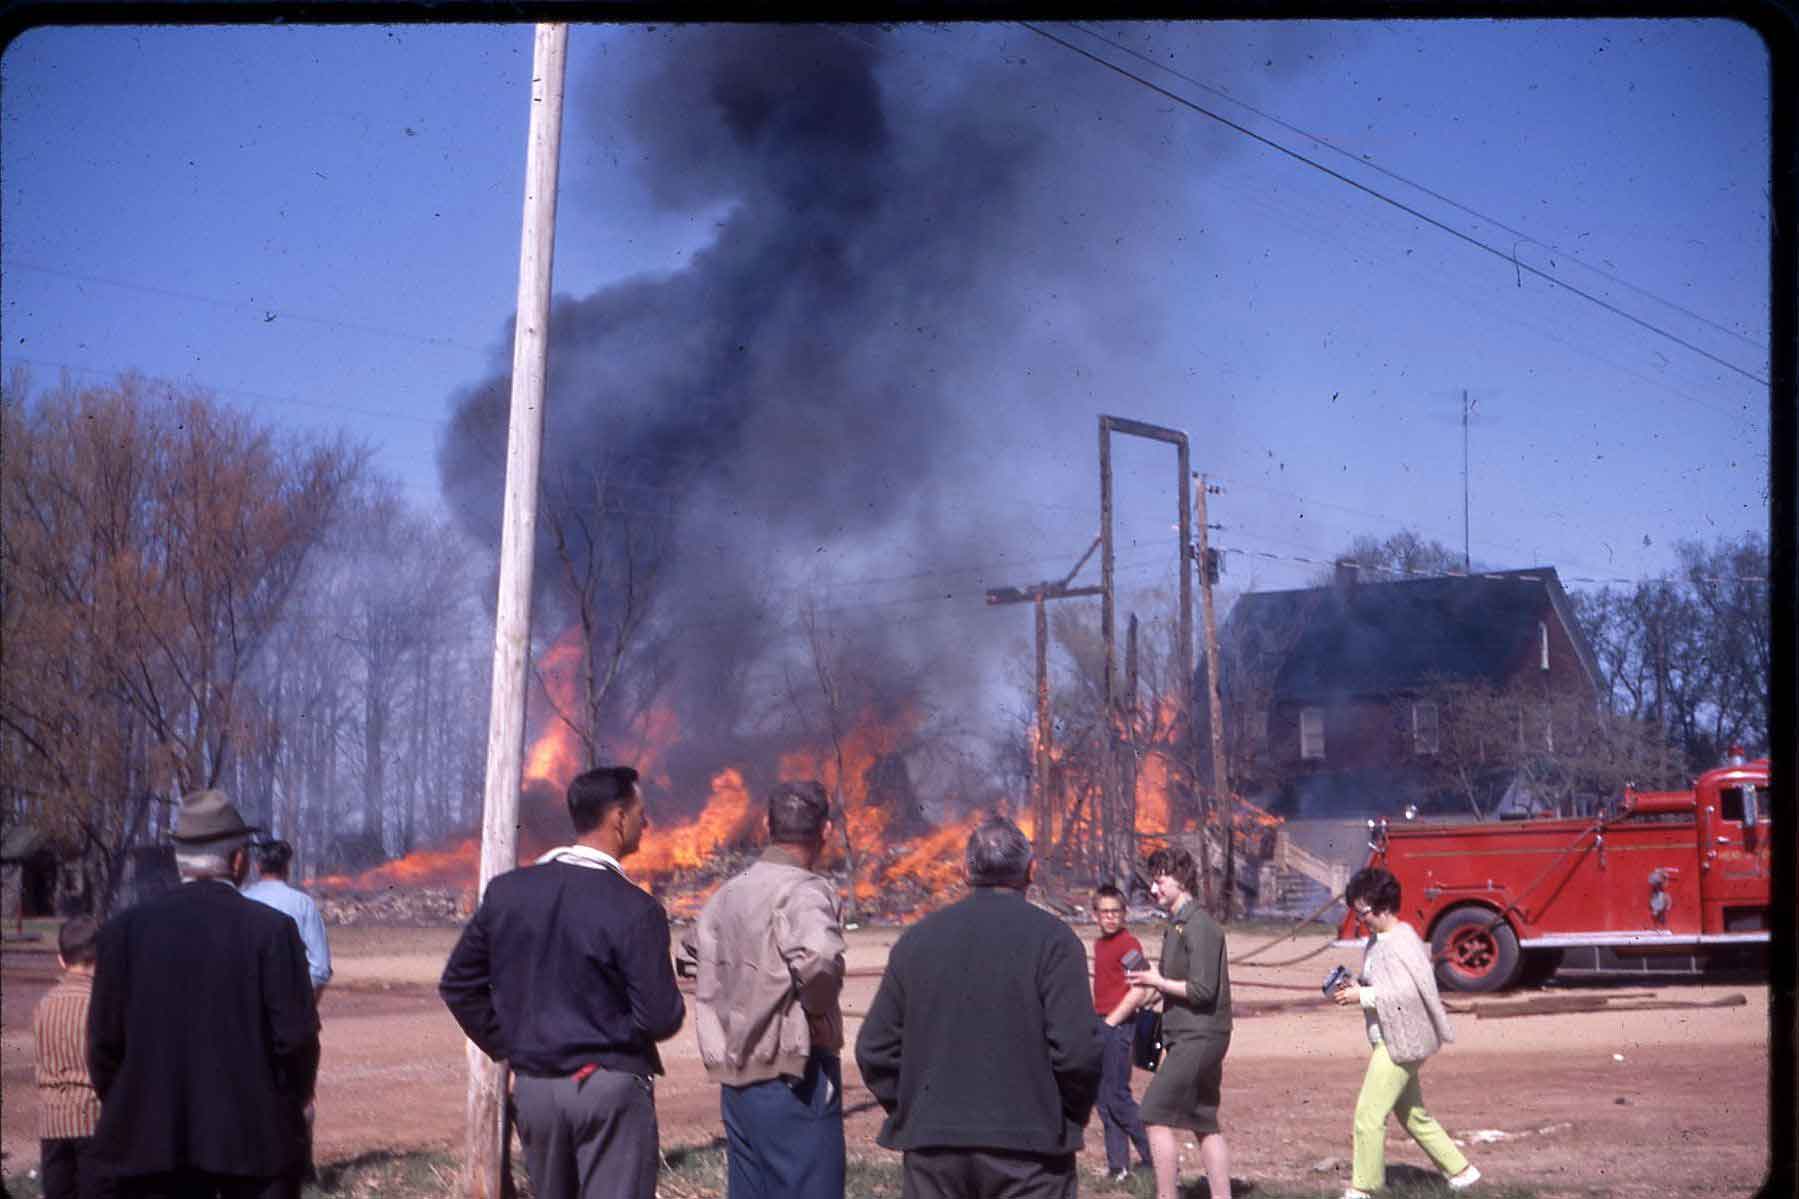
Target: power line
pixel 1371 164
pixel 267 314
pixel 294 401
pixel 1517 265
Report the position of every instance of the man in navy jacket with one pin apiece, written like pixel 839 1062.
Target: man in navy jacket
pixel 565 973
pixel 980 1043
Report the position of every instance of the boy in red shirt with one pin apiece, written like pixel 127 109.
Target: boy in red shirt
pixel 1117 1107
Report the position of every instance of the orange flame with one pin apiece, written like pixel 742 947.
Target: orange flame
pixel 555 757
pixel 927 870
pixel 729 818
pixel 452 867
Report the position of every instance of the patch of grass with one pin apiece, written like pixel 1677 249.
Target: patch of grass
pixel 413 1175
pixel 1403 1182
pixel 872 1177
pixel 693 1171
pixel 24 1185
pixel 698 1172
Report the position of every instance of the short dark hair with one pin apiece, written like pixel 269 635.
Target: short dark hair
pixel 1108 891
pixel 75 939
pixel 797 812
pixel 998 854
pixel 1178 864
pixel 597 791
pixel 272 857
pixel 1375 887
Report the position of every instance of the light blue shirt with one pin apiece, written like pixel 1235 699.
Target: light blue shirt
pixel 299 907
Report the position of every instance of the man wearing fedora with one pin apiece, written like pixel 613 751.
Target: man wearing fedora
pixel 203 1040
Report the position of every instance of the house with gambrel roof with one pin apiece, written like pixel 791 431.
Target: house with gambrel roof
pixel 1335 696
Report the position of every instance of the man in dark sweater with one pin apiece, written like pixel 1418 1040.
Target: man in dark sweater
pixel 980 1043
pixel 565 973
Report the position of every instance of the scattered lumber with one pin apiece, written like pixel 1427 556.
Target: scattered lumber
pixel 1547 1005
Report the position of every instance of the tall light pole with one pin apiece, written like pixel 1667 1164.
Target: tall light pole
pixel 483 1171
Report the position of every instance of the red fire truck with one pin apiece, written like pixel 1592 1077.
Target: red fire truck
pixel 1661 872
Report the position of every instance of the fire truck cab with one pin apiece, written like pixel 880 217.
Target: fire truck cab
pixel 1661 872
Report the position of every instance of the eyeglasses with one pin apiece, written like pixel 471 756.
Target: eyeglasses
pixel 1363 911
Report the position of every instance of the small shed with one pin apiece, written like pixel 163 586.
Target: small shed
pixel 29 865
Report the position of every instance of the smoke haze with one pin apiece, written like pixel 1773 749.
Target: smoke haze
pixel 859 372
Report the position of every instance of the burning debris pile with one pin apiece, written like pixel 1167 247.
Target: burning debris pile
pixel 889 859
pixel 438 887
pixel 411 907
pixel 901 861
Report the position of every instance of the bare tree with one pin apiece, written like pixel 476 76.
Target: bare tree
pixel 152 539
pixel 1690 652
pixel 1729 583
pixel 1559 748
pixel 1405 554
pixel 612 541
pixel 826 704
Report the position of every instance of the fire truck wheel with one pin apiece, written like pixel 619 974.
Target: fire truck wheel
pixel 1475 950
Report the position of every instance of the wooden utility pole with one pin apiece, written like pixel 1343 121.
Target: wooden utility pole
pixel 483 1171
pixel 1127 783
pixel 1467 554
pixel 1121 843
pixel 1214 703
pixel 1037 594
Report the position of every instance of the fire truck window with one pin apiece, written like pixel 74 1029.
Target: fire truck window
pixel 1730 803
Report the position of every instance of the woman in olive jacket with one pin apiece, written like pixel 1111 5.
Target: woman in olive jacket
pixel 1397 992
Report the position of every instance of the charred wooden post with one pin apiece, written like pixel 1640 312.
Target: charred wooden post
pixel 1127 805
pixel 1038 594
pixel 1040 781
pixel 1221 797
pixel 1120 851
pixel 1108 806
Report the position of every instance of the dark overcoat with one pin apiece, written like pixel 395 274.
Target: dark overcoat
pixel 982 1033
pixel 203 1039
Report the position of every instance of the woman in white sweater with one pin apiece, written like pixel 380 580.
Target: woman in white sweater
pixel 1397 992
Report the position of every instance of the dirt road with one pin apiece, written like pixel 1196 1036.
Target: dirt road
pixel 1633 1104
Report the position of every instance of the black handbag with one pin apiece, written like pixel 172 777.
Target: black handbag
pixel 1146 1039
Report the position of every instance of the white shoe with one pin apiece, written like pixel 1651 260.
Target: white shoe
pixel 1352 1193
pixel 1465 1179
pixel 1120 1176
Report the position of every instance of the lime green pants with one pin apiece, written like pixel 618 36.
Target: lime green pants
pixel 1392 1089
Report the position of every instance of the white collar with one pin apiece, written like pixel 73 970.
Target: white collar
pixel 584 855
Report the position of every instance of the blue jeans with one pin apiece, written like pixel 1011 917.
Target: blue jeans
pixel 784 1137
pixel 1117 1107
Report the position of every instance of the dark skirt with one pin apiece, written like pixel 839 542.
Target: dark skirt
pixel 1184 1092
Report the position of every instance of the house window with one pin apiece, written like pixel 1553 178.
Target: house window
pixel 1543 644
pixel 1311 732
pixel 1424 727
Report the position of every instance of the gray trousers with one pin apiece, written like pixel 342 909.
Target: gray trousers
pixel 593 1139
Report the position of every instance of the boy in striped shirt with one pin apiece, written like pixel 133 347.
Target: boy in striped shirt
pixel 68 1108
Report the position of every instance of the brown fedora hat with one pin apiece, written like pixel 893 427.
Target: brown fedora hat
pixel 208 816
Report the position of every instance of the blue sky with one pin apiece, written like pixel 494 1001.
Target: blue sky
pixel 322 224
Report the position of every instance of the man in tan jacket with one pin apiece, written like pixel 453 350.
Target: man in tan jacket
pixel 768 953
